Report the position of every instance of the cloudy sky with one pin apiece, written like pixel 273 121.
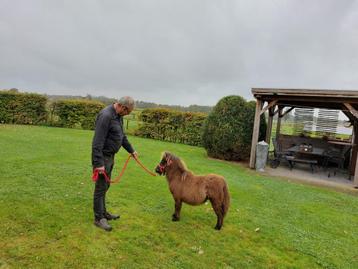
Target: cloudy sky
pixel 177 52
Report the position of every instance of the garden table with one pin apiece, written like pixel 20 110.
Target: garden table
pixel 310 157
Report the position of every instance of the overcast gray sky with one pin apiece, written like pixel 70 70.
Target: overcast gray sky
pixel 177 52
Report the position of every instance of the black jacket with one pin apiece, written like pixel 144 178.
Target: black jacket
pixel 108 136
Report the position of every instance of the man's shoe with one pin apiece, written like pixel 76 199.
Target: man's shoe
pixel 110 216
pixel 103 224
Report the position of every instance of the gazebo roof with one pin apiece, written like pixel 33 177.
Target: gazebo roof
pixel 304 92
pixel 333 99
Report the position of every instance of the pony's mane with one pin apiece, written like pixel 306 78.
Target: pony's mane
pixel 180 164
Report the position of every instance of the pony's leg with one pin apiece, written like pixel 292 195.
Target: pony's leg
pixel 176 215
pixel 218 211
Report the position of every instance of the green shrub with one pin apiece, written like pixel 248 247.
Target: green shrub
pixel 169 125
pixel 228 129
pixel 22 108
pixel 80 114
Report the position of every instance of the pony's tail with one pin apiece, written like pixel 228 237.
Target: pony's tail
pixel 226 201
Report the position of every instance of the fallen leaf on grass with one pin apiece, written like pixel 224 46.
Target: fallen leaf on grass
pixel 198 250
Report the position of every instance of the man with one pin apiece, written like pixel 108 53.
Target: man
pixel 108 138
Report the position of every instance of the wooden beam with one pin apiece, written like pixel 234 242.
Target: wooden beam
pixel 255 133
pixel 287 111
pixel 349 116
pixel 334 103
pixel 351 109
pixel 269 105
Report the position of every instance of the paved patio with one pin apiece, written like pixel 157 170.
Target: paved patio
pixel 302 173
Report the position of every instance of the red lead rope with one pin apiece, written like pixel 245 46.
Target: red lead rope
pixel 96 172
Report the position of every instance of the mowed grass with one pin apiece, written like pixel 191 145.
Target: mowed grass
pixel 47 220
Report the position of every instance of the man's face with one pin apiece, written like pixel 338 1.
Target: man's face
pixel 123 110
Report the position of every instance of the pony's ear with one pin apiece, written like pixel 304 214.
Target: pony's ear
pixel 168 158
pixel 164 155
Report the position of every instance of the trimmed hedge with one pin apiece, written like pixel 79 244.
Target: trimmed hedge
pixel 173 126
pixel 80 114
pixel 22 108
pixel 228 129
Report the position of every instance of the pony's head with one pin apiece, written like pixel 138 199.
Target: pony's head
pixel 172 162
pixel 165 162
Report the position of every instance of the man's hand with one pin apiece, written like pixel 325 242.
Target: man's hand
pixel 100 169
pixel 135 155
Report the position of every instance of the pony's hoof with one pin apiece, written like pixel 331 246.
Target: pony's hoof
pixel 218 228
pixel 175 218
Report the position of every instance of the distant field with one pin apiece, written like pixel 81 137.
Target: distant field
pixel 287 127
pixel 46 212
pixel 132 121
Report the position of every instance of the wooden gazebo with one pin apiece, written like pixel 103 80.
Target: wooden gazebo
pixel 276 100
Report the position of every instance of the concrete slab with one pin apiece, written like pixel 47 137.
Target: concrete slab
pixel 302 173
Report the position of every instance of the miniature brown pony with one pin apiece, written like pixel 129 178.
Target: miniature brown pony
pixel 194 190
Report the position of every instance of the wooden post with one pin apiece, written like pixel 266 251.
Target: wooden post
pixel 255 133
pixel 354 163
pixel 355 178
pixel 279 116
pixel 269 125
pixel 353 166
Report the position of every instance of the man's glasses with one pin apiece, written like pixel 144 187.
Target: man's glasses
pixel 126 109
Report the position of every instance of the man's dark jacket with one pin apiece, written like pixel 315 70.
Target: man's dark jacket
pixel 109 136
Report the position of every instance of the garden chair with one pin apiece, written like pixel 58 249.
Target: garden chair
pixel 278 153
pixel 337 158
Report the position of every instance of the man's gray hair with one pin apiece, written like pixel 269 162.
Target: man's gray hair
pixel 127 101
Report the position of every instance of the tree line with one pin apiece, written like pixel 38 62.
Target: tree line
pixel 225 132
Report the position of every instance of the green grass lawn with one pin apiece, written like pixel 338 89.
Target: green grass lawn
pixel 47 221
